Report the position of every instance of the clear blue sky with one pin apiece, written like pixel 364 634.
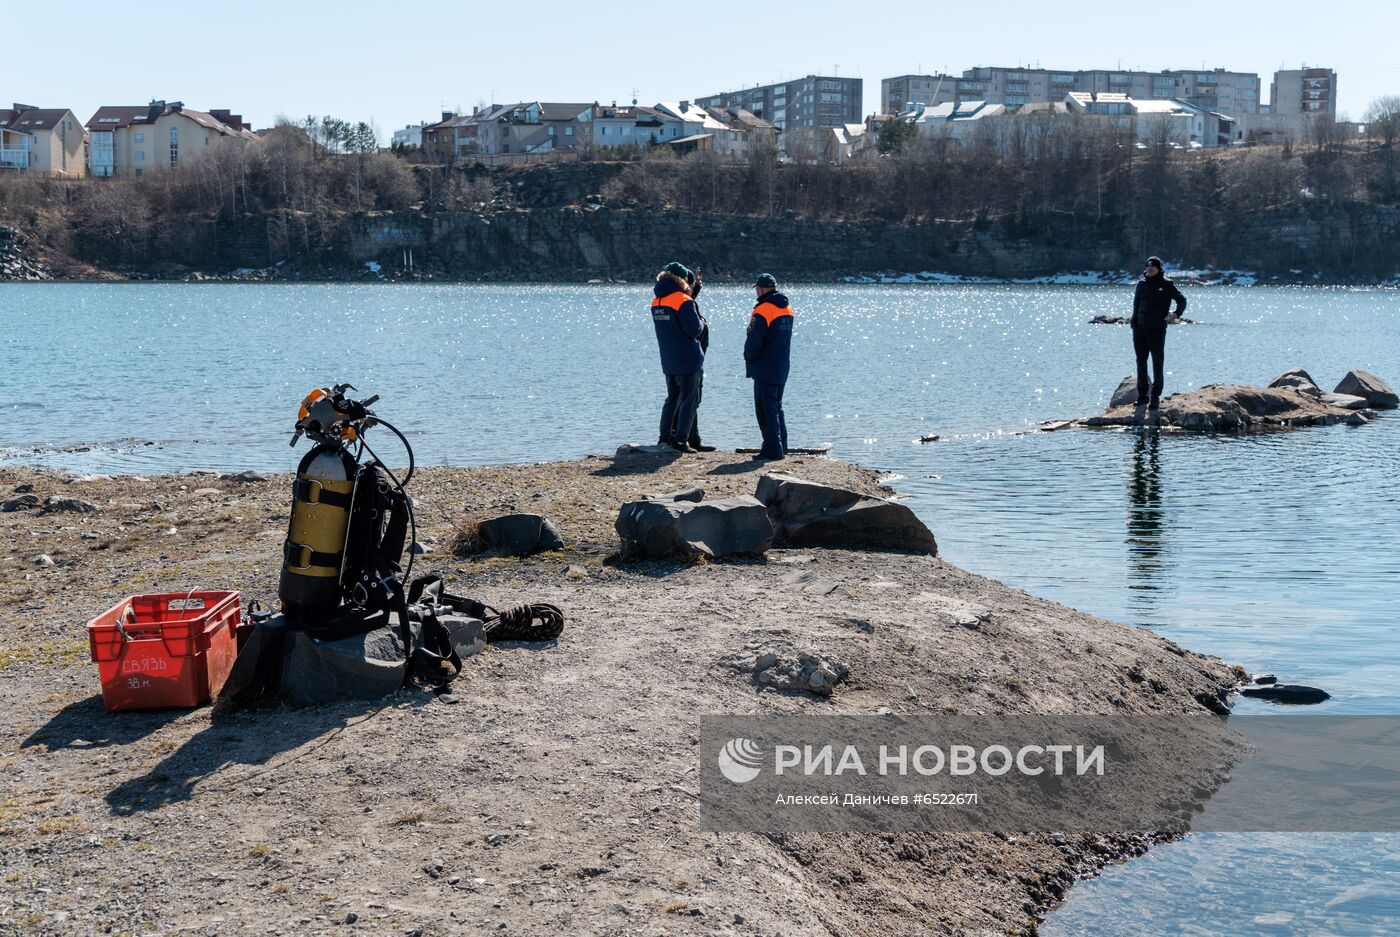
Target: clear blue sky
pixel 398 63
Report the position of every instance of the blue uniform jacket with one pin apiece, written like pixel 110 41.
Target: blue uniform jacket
pixel 768 347
pixel 678 328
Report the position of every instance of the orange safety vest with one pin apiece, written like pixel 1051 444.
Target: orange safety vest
pixel 672 301
pixel 769 312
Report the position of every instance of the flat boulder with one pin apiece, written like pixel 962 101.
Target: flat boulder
pixel 520 534
pixel 726 527
pixel 808 514
pixel 54 504
pixel 1377 392
pixel 632 450
pixel 689 493
pixel 1287 694
pixel 1126 394
pixel 1299 380
pixel 1345 401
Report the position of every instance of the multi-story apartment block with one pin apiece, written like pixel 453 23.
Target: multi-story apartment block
pixel 905 92
pixel 133 141
pixel 43 140
pixel 1297 98
pixel 1233 93
pixel 812 102
pixel 1307 92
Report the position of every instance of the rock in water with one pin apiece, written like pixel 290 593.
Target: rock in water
pixel 1233 408
pixel 1299 380
pixel 521 534
pixel 807 514
pixel 1345 401
pixel 729 526
pixel 1126 394
pixel 1365 384
pixel 1287 693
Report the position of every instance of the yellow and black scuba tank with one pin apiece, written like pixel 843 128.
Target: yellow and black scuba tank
pixel 349 519
pixel 313 555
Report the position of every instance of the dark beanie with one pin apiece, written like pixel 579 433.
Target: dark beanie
pixel 678 269
pixel 1155 261
pixel 766 280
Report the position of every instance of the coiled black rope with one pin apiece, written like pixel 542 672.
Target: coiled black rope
pixel 538 622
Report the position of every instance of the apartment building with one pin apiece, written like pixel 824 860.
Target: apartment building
pixel 43 140
pixel 811 102
pixel 1234 93
pixel 133 141
pixel 1304 92
pixel 1297 98
pixel 905 92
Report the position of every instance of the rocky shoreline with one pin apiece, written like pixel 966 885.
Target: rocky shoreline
pixel 558 794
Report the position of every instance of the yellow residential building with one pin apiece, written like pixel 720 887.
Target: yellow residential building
pixel 43 140
pixel 133 141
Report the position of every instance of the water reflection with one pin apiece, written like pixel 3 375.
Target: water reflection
pixel 1148 546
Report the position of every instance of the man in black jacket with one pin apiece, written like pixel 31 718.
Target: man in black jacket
pixel 1152 313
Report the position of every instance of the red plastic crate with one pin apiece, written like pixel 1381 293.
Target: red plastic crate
pixel 173 649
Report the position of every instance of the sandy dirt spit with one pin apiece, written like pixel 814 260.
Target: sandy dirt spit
pixel 557 794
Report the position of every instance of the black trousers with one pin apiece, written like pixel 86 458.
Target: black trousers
pixel 678 413
pixel 694 438
pixel 1149 342
pixel 768 407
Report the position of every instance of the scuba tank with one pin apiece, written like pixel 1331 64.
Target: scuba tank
pixel 348 520
pixel 314 552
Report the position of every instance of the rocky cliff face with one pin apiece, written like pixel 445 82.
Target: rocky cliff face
pixel 573 242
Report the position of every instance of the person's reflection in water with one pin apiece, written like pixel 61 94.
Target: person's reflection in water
pixel 1146 540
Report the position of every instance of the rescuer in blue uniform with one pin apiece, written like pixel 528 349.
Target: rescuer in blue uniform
pixel 678 330
pixel 767 357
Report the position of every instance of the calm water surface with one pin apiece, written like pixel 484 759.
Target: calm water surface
pixel 1280 553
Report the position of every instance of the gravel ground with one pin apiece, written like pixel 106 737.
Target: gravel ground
pixel 557 795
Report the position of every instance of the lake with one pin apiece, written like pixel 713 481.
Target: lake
pixel 1280 552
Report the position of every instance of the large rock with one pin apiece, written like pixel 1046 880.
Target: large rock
pixel 729 526
pixel 1299 380
pixel 807 514
pixel 19 503
pixel 1232 408
pixel 1126 394
pixel 1365 384
pixel 521 534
